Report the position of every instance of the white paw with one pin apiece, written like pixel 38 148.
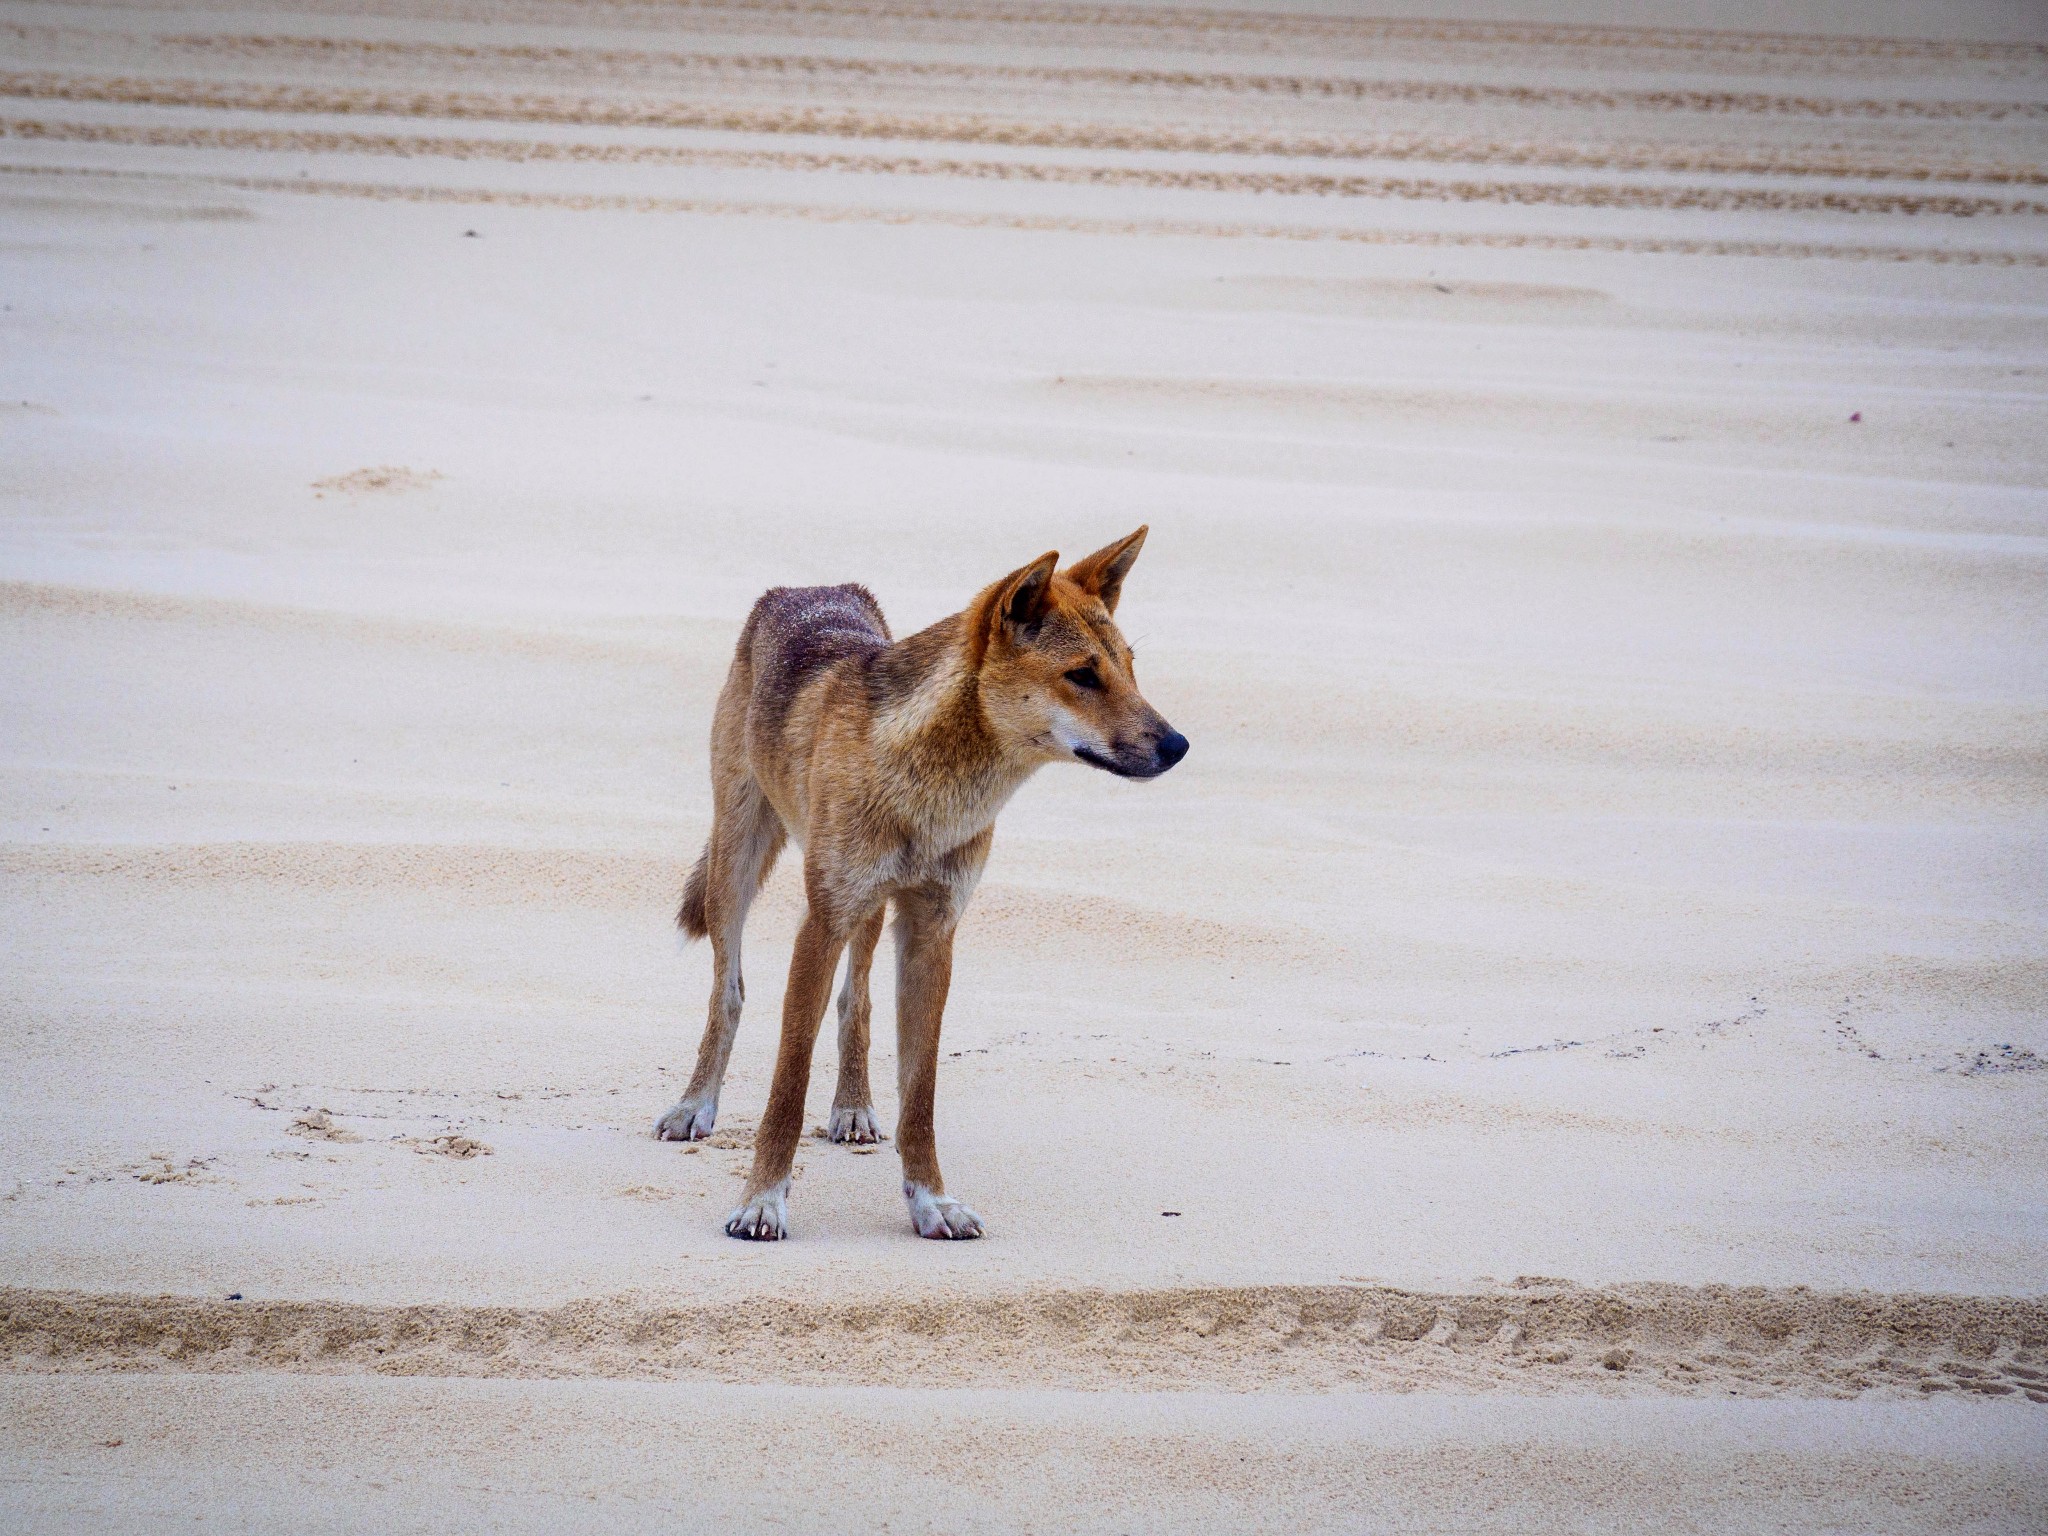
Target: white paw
pixel 763 1219
pixel 939 1215
pixel 855 1125
pixel 688 1121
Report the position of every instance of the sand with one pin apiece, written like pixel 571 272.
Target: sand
pixel 259 1452
pixel 1566 1049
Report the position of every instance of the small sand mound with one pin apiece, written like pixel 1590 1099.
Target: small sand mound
pixel 379 479
pixel 318 1125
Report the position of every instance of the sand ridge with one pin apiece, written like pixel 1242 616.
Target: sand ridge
pixel 1535 1336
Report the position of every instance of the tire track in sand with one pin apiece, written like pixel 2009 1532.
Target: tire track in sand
pixel 1536 1335
pixel 594 111
pixel 1518 193
pixel 589 112
pixel 1679 160
pixel 1183 27
pixel 587 60
pixel 1791 250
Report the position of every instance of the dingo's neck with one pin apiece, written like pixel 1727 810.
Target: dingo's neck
pixel 947 774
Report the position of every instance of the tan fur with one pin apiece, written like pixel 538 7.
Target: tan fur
pixel 690 915
pixel 888 761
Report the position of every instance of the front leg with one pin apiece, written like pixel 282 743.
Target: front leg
pixel 924 973
pixel 763 1214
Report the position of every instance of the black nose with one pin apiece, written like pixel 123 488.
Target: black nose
pixel 1171 749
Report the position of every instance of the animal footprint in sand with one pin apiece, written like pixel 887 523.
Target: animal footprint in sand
pixel 162 1168
pixel 318 1125
pixel 448 1144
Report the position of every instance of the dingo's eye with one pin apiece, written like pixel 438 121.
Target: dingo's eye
pixel 1085 677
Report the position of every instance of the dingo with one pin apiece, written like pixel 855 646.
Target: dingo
pixel 888 762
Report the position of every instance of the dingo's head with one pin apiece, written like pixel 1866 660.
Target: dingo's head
pixel 1055 672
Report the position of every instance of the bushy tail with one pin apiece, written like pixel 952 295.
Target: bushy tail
pixel 690 915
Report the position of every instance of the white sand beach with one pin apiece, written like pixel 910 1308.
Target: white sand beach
pixel 1564 1052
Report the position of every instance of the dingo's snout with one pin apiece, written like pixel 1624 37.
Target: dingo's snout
pixel 1138 760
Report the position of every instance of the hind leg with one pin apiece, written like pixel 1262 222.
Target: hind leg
pixel 746 835
pixel 853 1105
pixel 763 1214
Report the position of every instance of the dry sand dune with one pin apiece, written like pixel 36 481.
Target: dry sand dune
pixel 1566 1050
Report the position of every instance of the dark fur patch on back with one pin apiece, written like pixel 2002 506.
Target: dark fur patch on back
pixel 796 632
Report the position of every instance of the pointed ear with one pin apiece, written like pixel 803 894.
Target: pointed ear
pixel 1022 597
pixel 1103 572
